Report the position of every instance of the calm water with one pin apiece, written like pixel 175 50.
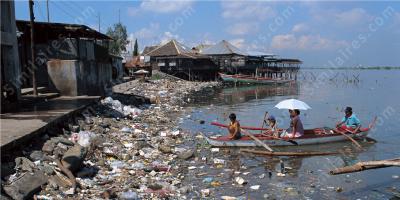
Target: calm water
pixel 376 94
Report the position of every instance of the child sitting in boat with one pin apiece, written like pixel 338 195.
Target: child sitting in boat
pixel 296 125
pixel 350 122
pixel 271 121
pixel 234 128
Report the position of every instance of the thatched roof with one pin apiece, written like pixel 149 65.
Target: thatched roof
pixel 172 48
pixel 148 49
pixel 222 48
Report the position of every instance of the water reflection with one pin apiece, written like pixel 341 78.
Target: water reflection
pixel 245 93
pixel 237 94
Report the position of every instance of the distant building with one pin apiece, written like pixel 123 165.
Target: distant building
pixel 137 63
pixel 10 66
pixel 231 59
pixel 176 59
pixel 71 59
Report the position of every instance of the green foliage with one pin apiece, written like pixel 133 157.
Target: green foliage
pixel 119 35
pixel 135 49
pixel 156 77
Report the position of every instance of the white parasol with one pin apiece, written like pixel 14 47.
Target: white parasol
pixel 292 104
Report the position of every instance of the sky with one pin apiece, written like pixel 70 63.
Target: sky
pixel 320 33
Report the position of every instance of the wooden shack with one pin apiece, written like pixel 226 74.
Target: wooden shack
pixel 178 60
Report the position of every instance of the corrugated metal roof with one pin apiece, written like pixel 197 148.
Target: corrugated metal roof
pixel 57 29
pixel 260 54
pixel 222 48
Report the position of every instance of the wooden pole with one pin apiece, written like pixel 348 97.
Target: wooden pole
pixel 257 140
pixel 48 14
pixel 32 19
pixel 361 166
pixel 288 153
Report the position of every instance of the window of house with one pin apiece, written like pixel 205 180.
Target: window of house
pixel 172 64
pixel 161 64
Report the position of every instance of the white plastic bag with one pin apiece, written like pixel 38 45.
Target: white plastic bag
pixel 85 138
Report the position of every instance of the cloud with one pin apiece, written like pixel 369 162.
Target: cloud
pixel 133 11
pixel 238 42
pixel 146 32
pixel 352 17
pixel 167 36
pixel 159 6
pixel 302 27
pixel 165 6
pixel 243 28
pixel 243 9
pixel 355 17
pixel 305 42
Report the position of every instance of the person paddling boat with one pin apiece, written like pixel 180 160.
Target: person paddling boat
pixel 234 128
pixel 349 123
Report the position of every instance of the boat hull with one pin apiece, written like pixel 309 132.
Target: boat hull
pixel 246 141
pixel 250 79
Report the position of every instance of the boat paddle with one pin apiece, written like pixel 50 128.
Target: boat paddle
pixel 348 137
pixel 265 115
pixel 257 140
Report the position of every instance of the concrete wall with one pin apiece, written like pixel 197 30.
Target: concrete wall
pixel 63 76
pixel 10 66
pixel 76 78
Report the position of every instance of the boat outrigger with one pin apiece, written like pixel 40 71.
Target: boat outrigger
pixel 239 78
pixel 310 137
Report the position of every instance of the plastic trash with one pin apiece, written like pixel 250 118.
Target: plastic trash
pixel 121 108
pixel 162 93
pixel 129 195
pixel 214 149
pixel 281 174
pixel 218 161
pixel 85 138
pixel 127 130
pixel 240 180
pixel 205 192
pixel 117 164
pixel 137 165
pixel 228 198
pixel 207 180
pixel 215 183
pixel 255 187
pixel 175 133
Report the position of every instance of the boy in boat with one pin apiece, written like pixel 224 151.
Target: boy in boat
pixel 296 125
pixel 234 128
pixel 271 121
pixel 350 122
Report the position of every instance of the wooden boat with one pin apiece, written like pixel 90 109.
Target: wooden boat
pixel 239 78
pixel 243 127
pixel 311 136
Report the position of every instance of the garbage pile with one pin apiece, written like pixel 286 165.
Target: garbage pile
pixel 113 151
pixel 169 91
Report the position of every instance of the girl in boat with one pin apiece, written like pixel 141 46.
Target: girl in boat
pixel 271 121
pixel 234 128
pixel 296 125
